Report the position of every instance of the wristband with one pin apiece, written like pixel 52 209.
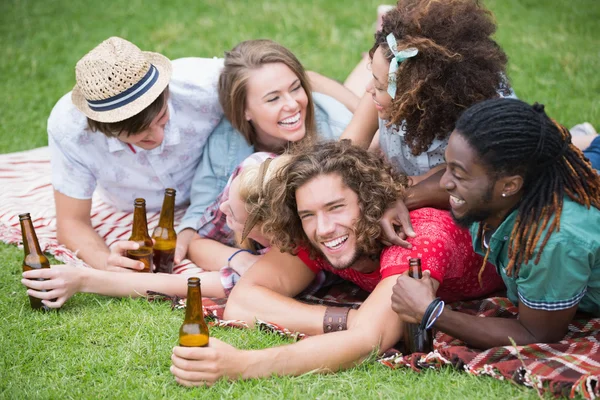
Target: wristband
pixel 431 308
pixel 435 314
pixel 235 254
pixel 335 319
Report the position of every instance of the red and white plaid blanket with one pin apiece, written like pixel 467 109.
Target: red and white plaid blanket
pixel 26 182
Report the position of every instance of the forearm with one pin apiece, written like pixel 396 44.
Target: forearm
pixel 374 327
pixel 483 333
pixel 364 123
pixel 80 237
pixel 428 193
pixel 248 302
pixel 209 254
pixel 323 353
pixel 332 88
pixel 117 284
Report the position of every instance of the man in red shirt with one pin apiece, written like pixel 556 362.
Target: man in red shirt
pixel 324 206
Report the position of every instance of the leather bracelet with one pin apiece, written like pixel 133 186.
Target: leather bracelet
pixel 335 319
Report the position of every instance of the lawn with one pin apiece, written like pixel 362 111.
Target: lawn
pixel 97 347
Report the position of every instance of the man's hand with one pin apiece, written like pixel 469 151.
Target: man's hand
pixel 118 261
pixel 397 216
pixel 183 242
pixel 62 282
pixel 411 297
pixel 203 366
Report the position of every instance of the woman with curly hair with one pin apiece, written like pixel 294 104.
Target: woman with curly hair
pixel 430 61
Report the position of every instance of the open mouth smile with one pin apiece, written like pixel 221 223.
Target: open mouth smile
pixel 336 243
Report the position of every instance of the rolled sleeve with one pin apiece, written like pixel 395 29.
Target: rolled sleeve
pixel 559 280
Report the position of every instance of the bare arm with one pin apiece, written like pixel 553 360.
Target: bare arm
pixel 211 255
pixel 266 292
pixel 375 327
pixel 63 281
pixel 364 123
pixel 333 88
pixel 426 192
pixel 411 297
pixel 74 230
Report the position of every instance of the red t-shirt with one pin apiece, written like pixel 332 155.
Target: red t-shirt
pixel 445 249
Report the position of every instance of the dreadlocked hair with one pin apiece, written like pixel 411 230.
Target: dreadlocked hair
pixel 512 137
pixel 373 179
pixel 458 65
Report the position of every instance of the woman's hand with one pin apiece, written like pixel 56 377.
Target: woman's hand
pixel 60 282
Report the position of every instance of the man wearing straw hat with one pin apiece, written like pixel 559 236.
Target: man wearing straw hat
pixel 134 124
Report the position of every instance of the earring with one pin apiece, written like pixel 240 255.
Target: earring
pixel 503 194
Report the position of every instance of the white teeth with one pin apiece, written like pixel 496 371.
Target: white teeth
pixel 456 200
pixel 291 120
pixel 335 243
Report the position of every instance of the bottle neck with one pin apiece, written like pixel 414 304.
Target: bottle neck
pixel 140 226
pixel 167 212
pixel 193 307
pixel 30 240
pixel 414 271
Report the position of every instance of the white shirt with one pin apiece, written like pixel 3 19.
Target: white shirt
pixel 83 160
pixel 393 144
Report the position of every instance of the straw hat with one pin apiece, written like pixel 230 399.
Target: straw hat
pixel 116 80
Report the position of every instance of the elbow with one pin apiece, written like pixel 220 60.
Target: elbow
pixel 235 304
pixel 61 234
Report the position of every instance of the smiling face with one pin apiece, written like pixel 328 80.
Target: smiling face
pixel 329 210
pixel 276 106
pixel 151 137
pixel 377 86
pixel 234 209
pixel 474 195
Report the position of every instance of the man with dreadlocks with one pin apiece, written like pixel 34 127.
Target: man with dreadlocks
pixel 532 202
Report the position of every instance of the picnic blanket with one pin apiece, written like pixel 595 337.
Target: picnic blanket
pixel 26 182
pixel 568 368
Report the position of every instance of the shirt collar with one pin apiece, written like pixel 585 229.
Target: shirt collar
pixel 500 235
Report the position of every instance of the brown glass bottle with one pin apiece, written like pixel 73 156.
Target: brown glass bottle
pixel 34 258
pixel 140 235
pixel 165 238
pixel 415 342
pixel 193 331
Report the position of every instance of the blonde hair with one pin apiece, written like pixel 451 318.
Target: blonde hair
pixel 233 82
pixel 251 193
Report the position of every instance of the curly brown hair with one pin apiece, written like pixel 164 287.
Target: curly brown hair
pixel 372 178
pixel 458 65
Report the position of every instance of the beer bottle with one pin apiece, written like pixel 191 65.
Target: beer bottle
pixel 165 238
pixel 140 235
pixel 34 258
pixel 416 341
pixel 193 331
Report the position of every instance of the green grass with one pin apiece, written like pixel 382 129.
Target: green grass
pixel 98 347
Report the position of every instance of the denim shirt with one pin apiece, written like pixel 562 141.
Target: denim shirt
pixel 227 148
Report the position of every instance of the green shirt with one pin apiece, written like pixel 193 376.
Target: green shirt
pixel 568 272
